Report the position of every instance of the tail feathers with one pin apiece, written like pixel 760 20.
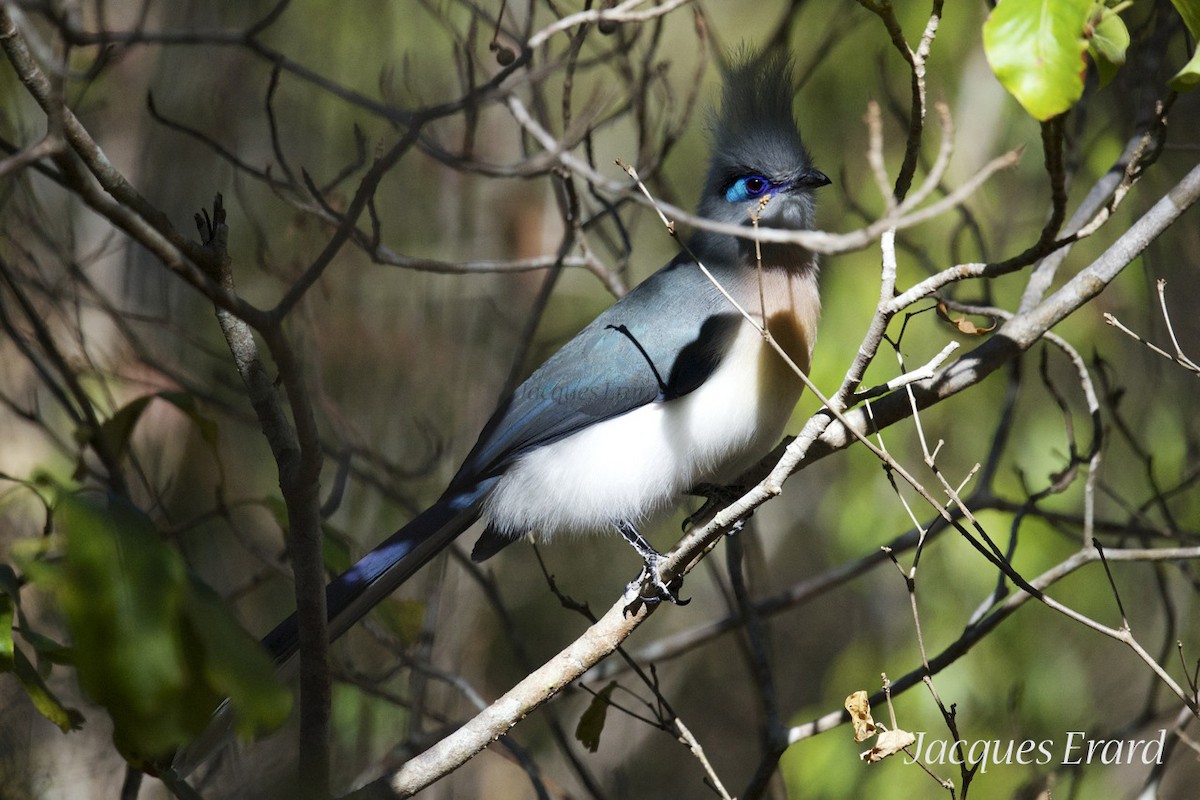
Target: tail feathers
pixel 491 542
pixel 377 574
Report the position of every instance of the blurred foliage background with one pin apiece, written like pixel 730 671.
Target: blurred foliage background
pixel 404 365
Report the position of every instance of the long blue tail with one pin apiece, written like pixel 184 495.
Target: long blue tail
pixel 377 574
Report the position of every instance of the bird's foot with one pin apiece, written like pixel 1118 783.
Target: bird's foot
pixel 652 589
pixel 648 588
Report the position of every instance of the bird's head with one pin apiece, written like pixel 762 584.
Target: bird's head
pixel 759 164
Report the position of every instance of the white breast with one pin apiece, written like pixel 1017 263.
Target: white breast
pixel 634 465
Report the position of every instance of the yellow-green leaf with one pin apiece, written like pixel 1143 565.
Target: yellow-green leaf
pixel 1108 43
pixel 1190 11
pixel 1035 49
pixel 1187 78
pixel 7 610
pixel 45 701
pixel 14 661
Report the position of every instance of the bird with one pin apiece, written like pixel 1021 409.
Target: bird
pixel 668 389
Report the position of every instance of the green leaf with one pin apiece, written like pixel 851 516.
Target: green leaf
pixel 10 585
pixel 153 646
pixel 591 724
pixel 1108 43
pixel 116 432
pixel 14 661
pixel 122 591
pixel 1189 77
pixel 47 648
pixel 235 665
pixel 10 610
pixel 7 610
pixel 45 701
pixel 1035 48
pixel 1190 11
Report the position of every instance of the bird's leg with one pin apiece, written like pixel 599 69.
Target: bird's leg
pixel 651 559
pixel 716 496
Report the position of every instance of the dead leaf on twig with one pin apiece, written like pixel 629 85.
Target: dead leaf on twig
pixel 963 324
pixel 888 744
pixel 860 716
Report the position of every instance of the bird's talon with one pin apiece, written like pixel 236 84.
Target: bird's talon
pixel 632 594
pixel 650 590
pixel 661 590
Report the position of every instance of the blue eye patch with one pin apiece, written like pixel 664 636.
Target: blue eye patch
pixel 748 188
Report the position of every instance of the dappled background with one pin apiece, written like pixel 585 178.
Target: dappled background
pixel 453 291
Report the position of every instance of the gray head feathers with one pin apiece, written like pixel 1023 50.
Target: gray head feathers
pixel 755 137
pixel 755 128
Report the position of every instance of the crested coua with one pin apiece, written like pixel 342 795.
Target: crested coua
pixel 668 389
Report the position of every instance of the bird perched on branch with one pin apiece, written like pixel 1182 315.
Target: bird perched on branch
pixel 670 388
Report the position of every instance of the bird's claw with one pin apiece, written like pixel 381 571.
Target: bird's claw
pixel 650 589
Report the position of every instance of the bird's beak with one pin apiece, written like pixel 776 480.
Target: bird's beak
pixel 814 179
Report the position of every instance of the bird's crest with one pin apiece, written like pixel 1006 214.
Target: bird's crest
pixel 755 128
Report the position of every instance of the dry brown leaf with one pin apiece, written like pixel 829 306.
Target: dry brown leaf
pixel 888 744
pixel 963 324
pixel 860 716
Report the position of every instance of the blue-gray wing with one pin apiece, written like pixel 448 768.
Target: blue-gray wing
pixel 660 341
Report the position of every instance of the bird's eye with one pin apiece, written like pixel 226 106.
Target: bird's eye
pixel 747 188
